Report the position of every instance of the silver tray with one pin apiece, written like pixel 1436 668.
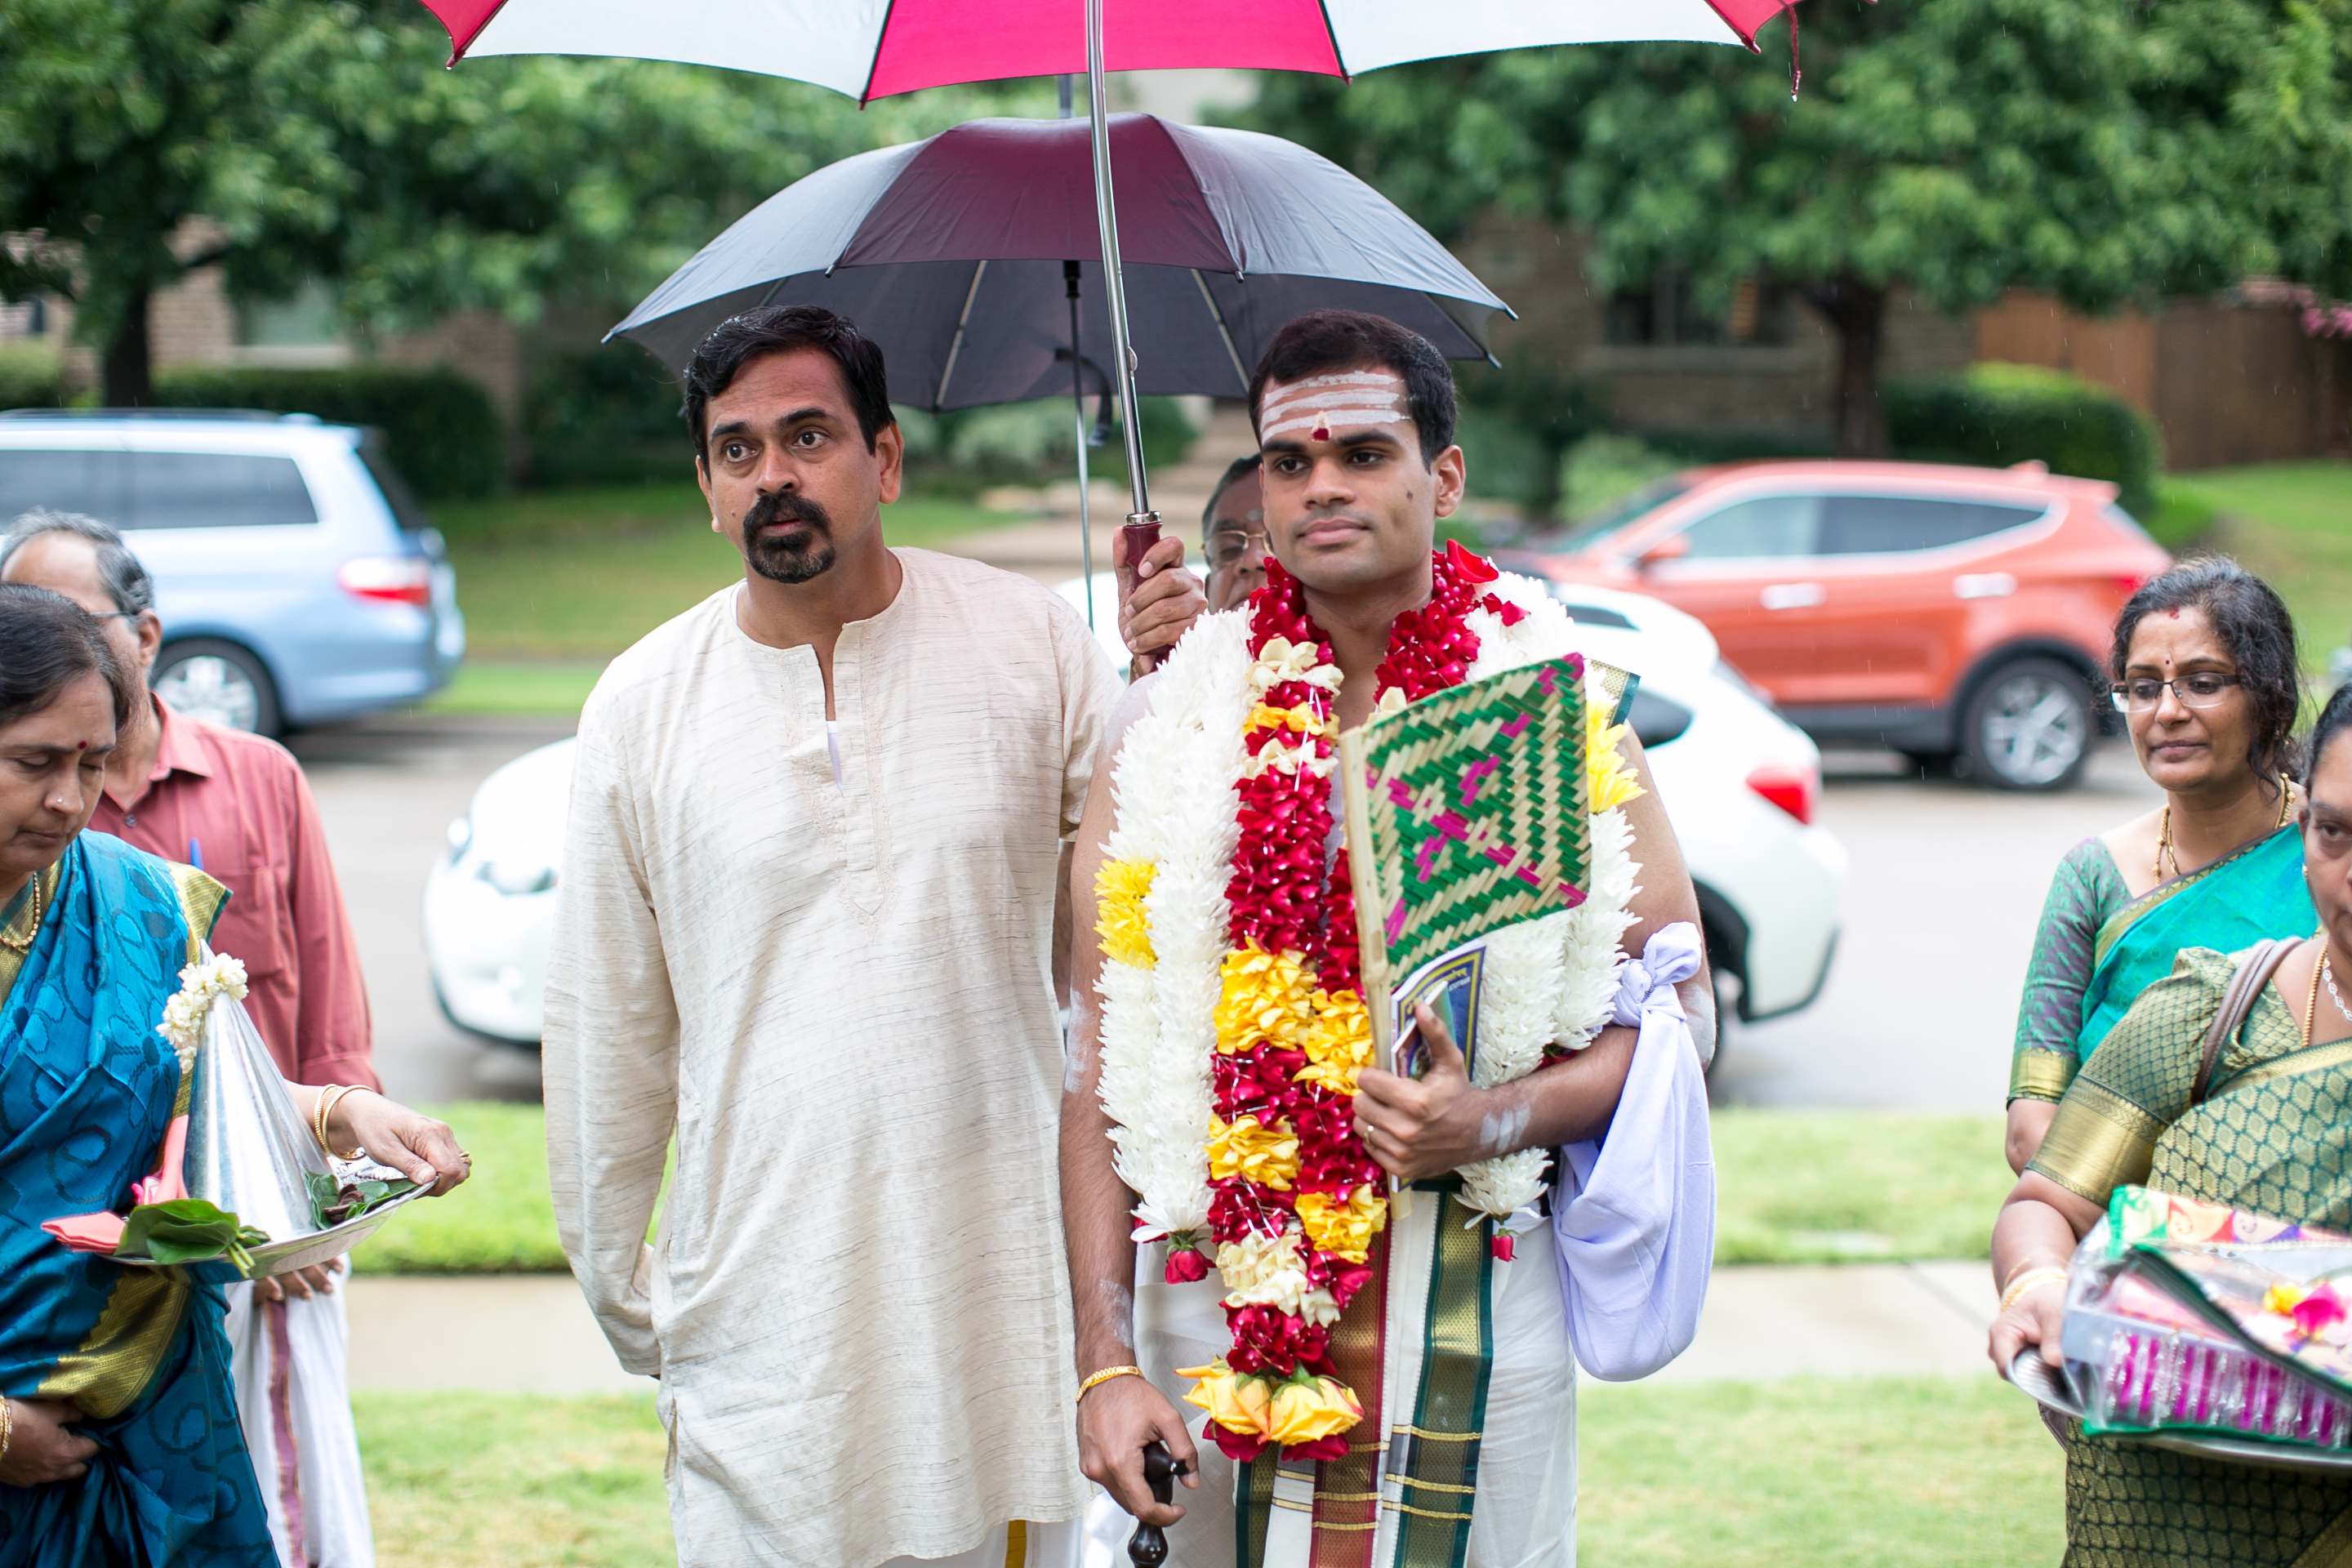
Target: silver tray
pixel 275 1257
pixel 2035 1375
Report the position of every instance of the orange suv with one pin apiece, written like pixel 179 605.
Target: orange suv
pixel 1960 616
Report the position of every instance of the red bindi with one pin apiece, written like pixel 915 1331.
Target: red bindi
pixel 1321 434
pixel 81 745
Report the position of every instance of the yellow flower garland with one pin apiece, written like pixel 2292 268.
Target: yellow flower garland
pixel 1120 888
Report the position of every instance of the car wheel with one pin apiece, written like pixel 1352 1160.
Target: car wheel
pixel 2030 726
pixel 205 677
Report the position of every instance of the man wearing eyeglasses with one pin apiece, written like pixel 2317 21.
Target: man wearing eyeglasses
pixel 1233 534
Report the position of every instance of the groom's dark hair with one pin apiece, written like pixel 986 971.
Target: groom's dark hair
pixel 1324 342
pixel 783 329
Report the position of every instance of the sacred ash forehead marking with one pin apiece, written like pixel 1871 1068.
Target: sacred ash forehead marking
pixel 1320 402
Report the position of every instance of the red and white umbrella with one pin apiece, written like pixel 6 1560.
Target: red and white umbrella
pixel 873 49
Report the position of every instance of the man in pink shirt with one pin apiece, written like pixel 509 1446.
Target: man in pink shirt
pixel 236 806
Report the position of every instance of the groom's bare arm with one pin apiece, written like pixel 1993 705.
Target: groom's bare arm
pixel 1117 1417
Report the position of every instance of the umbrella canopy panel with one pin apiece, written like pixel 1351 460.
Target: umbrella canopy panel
pixel 1227 235
pixel 873 49
pixel 1015 324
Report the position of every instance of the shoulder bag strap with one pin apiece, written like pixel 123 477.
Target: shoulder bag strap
pixel 2261 962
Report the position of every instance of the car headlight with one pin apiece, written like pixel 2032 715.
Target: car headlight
pixel 514 878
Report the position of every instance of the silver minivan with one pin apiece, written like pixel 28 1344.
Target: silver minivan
pixel 298 582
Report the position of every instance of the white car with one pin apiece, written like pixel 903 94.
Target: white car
pixel 1740 782
pixel 489 902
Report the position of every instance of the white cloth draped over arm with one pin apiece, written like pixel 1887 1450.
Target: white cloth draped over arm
pixel 609 1059
pixel 1634 1212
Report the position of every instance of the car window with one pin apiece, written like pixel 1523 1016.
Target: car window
pixel 1760 526
pixel 1856 525
pixel 396 493
pixel 91 483
pixel 157 490
pixel 216 489
pixel 1618 513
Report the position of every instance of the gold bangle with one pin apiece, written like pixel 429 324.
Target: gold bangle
pixel 2029 1279
pixel 1106 1375
pixel 329 1098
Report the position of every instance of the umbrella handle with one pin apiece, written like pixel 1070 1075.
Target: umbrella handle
pixel 1148 1548
pixel 1136 538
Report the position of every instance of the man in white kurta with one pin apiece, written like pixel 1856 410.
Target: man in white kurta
pixel 820 948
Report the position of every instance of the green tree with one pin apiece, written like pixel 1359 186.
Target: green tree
pixel 325 139
pixel 2107 151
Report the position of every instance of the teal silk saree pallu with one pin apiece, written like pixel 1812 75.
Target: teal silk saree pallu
pixel 87 1090
pixel 2254 893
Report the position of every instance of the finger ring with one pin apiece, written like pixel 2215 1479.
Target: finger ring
pixel 463 1155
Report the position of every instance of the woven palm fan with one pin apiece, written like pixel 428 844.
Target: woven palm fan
pixel 1466 814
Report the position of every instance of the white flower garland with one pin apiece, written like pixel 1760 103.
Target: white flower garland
pixel 184 1015
pixel 1549 980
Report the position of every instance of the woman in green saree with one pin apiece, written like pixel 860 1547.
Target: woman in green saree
pixel 2273 1134
pixel 2206 676
pixel 118 1439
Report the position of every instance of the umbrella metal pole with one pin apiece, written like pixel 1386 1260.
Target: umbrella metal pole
pixel 1079 412
pixel 1142 529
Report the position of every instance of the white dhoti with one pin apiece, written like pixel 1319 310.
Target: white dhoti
pixel 291 1367
pixel 1022 1544
pixel 1526 1512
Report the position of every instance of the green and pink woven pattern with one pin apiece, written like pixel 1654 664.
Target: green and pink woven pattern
pixel 1475 806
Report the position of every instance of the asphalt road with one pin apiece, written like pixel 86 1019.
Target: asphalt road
pixel 1921 1002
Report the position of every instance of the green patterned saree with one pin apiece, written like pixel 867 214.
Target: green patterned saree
pixel 2273 1135
pixel 2076 994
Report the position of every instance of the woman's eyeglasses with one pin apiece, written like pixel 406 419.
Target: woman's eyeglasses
pixel 2202 689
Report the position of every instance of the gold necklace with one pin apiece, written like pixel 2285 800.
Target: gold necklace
pixel 26 945
pixel 2311 1003
pixel 2165 851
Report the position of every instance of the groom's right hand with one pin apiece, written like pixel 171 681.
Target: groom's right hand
pixel 1116 1421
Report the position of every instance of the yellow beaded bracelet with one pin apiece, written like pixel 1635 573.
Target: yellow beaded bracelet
pixel 1106 1375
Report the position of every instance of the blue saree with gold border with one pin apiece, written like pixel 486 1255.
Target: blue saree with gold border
pixel 87 1089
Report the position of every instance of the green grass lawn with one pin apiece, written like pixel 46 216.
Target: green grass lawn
pixel 460 1480
pixel 1827 1186
pixel 577 573
pixel 2292 523
pixel 1792 1187
pixel 1956 1473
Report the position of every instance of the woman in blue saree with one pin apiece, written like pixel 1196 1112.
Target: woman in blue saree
pixel 2207 679
pixel 120 1441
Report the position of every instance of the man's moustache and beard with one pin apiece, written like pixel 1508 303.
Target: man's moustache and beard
pixel 787 557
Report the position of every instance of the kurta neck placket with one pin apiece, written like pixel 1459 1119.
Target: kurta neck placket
pixel 861 674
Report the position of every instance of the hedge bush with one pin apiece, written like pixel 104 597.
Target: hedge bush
pixel 440 431
pixel 608 416
pixel 1998 415
pixel 28 377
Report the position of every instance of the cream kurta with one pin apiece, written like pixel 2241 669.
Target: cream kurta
pixel 842 997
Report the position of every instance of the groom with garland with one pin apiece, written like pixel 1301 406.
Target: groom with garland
pixel 1387 1379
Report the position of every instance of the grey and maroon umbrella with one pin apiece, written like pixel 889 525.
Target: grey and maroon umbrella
pixel 956 255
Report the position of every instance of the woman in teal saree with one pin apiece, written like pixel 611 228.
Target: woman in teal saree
pixel 2207 679
pixel 120 1441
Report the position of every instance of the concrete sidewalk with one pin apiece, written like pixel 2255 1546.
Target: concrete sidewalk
pixel 532 1334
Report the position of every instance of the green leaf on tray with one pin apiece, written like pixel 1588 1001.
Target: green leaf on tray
pixel 187 1230
pixel 353 1199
